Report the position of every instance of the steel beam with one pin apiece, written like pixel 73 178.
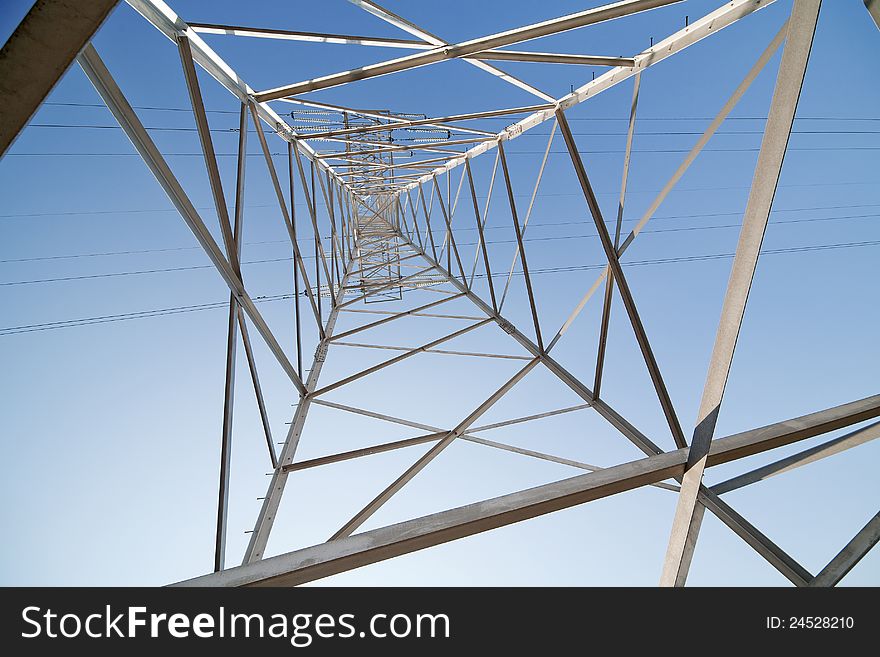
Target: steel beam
pixel 850 555
pixel 679 172
pixel 453 248
pixel 397 359
pixel 164 19
pixel 313 37
pixel 286 216
pixel 364 514
pixel 510 37
pixel 616 269
pixel 766 548
pixel 231 345
pixel 520 247
pixel 811 455
pixel 404 313
pixel 435 41
pixel 112 96
pixel 609 283
pixel 551 58
pixel 376 545
pixel 441 121
pixel 272 500
pixel 726 15
pixel 616 420
pixel 873 7
pixel 789 80
pixel 483 247
pixel 38 53
pixel 528 211
pixel 448 352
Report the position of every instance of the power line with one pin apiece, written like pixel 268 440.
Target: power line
pixel 533 225
pixel 496 241
pixel 139 107
pixel 143 314
pixel 539 195
pixel 188 110
pixel 509 152
pixel 161 312
pixel 657 133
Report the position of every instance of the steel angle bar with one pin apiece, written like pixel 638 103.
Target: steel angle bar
pixel 520 247
pixel 38 52
pixel 726 15
pixel 272 500
pixel 551 58
pixel 430 122
pixel 233 249
pixel 400 215
pixel 313 37
pixel 616 420
pixel 850 555
pixel 440 433
pixel 766 548
pixel 407 26
pixel 365 451
pixel 166 21
pixel 683 167
pixel 811 455
pixel 390 285
pixel 549 457
pixel 409 536
pixel 374 414
pixel 625 294
pixel 434 437
pixel 485 218
pixel 789 80
pixel 319 247
pixel 287 217
pixel 413 213
pixel 434 351
pixel 448 51
pixel 296 307
pixel 327 195
pixel 427 214
pixel 753 537
pixel 397 359
pixel 366 113
pixel 528 211
pixel 390 312
pixel 311 203
pixel 483 248
pixel 235 318
pixel 258 389
pixel 609 284
pixel 364 514
pixel 449 235
pixel 529 418
pixel 112 96
pixel 403 313
pixel 452 204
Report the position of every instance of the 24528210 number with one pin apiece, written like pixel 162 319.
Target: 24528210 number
pixel 810 623
pixel 820 623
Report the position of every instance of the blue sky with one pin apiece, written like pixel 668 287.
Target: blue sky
pixel 110 430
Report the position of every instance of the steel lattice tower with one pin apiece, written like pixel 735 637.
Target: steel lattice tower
pixel 390 235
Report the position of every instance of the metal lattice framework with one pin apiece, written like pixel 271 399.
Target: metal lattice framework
pixel 390 233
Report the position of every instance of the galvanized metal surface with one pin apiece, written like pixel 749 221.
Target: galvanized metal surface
pixel 382 240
